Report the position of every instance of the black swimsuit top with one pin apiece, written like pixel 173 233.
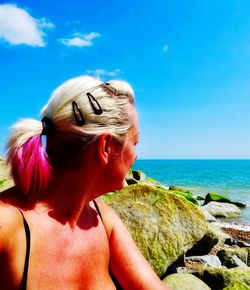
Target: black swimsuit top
pixel 27 256
pixel 23 284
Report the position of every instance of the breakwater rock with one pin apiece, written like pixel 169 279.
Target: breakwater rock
pixel 163 225
pixel 170 228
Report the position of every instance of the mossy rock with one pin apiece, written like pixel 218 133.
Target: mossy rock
pixel 221 277
pixel 184 281
pixel 177 188
pixel 212 196
pixel 139 175
pixel 236 285
pixel 213 236
pixel 5 179
pixel 135 176
pixel 163 224
pixel 152 181
pixel 226 254
pixel 187 196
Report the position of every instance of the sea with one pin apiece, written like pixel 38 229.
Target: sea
pixel 230 178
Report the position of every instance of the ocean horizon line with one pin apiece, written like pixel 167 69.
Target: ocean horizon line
pixel 190 159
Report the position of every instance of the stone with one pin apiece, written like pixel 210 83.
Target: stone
pixel 212 196
pixel 233 261
pixel 177 188
pixel 213 236
pixel 184 281
pixel 208 260
pixel 235 285
pixel 163 225
pixel 139 175
pixel 187 196
pixel 5 179
pixel 220 209
pixel 220 277
pixel 230 257
pixel 208 216
pixel 152 181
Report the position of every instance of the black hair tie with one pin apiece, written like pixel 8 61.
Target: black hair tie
pixel 48 127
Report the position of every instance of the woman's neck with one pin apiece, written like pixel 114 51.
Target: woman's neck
pixel 68 197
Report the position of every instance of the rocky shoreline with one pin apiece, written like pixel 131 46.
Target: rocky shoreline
pixel 236 233
pixel 181 235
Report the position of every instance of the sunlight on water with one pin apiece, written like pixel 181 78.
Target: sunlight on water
pixel 228 177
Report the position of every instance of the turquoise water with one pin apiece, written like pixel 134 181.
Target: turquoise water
pixel 228 177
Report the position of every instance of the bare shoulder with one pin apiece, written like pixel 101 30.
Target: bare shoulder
pixel 127 263
pixel 10 222
pixel 110 219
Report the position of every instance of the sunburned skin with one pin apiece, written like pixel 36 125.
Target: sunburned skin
pixel 61 262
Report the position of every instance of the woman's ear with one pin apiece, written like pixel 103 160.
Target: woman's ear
pixel 104 147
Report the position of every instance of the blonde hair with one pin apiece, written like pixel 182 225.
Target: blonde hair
pixel 31 165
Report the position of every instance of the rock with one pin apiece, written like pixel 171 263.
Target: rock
pixel 216 231
pixel 139 175
pixel 221 277
pixel 229 257
pixel 151 181
pixel 187 196
pixel 220 198
pixel 131 181
pixel 248 259
pixel 163 225
pixel 213 236
pixel 5 179
pixel 180 189
pixel 208 260
pixel 199 197
pixel 235 285
pixel 135 176
pixel 233 261
pixel 130 178
pixel 208 216
pixel 219 209
pixel 184 281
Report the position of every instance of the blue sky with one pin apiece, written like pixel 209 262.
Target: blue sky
pixel 188 62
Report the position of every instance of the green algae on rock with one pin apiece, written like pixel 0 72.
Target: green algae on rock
pixel 236 285
pixel 226 254
pixel 184 281
pixel 5 179
pixel 187 196
pixel 177 188
pixel 221 277
pixel 212 196
pixel 163 225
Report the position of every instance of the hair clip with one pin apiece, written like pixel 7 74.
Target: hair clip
pixel 94 104
pixel 108 87
pixel 78 114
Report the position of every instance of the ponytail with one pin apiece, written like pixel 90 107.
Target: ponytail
pixel 29 163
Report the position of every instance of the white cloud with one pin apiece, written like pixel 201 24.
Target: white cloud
pixel 103 72
pixel 80 40
pixel 165 47
pixel 43 23
pixel 17 26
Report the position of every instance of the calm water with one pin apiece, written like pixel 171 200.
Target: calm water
pixel 228 177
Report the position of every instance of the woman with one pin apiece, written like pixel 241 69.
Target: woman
pixel 53 234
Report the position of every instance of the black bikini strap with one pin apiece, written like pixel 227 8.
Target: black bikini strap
pixel 118 287
pixel 23 284
pixel 97 209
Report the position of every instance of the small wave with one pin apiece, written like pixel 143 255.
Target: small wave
pixel 234 225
